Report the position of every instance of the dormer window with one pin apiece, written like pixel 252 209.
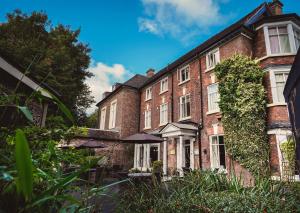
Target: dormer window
pixel 282 39
pixel 164 85
pixel 212 59
pixel 184 74
pixel 148 93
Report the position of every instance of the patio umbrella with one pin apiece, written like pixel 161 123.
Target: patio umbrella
pixel 142 138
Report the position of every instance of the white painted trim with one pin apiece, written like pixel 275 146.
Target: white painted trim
pixel 148 98
pixel 165 156
pixel 218 58
pixel 276 24
pixel 267 40
pixel 276 104
pixel 102 122
pixel 112 117
pixel 279 132
pixel 192 154
pixel 243 34
pixel 291 38
pixel 275 55
pixel 180 70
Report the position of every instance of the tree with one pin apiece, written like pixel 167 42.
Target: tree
pixel 92 120
pixel 53 55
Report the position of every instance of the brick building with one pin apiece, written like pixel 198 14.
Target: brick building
pixel 180 102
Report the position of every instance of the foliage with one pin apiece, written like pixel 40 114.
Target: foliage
pixel 157 166
pixel 92 120
pixel 210 192
pixel 51 55
pixel 289 151
pixel 243 106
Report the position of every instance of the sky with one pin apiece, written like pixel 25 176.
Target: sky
pixel 128 37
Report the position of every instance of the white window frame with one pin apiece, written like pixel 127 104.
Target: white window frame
pixel 113 114
pixel 211 155
pixel 164 82
pixel 187 71
pixel 297 39
pixel 148 95
pixel 163 118
pixel 290 29
pixel 146 154
pixel 102 118
pixel 209 93
pixel 147 119
pixel 216 54
pixel 272 72
pixel 181 109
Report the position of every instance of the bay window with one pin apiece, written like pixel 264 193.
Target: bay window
pixel 297 38
pixel 185 107
pixel 278 79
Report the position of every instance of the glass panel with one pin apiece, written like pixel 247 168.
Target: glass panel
pixel 282 30
pixel 279 77
pixel 285 44
pixel 153 154
pixel 222 152
pixel 280 88
pixel 274 44
pixel 273 31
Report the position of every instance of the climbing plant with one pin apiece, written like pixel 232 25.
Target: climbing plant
pixel 243 106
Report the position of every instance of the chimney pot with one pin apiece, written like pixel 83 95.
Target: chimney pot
pixel 276 7
pixel 150 72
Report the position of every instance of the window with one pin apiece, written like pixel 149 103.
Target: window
pixel 278 80
pixel 184 74
pixel 154 154
pixel 113 115
pixel 102 118
pixel 279 40
pixel 164 85
pixel 185 107
pixel 148 93
pixel 297 38
pixel 163 114
pixel 213 98
pixel 148 119
pixel 217 152
pixel 212 59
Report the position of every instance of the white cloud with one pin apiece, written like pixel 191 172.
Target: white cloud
pixel 182 19
pixel 104 77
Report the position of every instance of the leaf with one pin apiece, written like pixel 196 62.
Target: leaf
pixel 61 106
pixel 24 165
pixel 26 112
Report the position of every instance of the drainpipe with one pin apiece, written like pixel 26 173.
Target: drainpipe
pixel 200 125
pixel 172 99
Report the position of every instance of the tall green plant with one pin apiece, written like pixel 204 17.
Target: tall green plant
pixel 243 106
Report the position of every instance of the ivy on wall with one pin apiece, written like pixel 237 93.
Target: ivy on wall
pixel 243 106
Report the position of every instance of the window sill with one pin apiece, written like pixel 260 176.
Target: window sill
pixel 186 118
pixel 212 112
pixel 183 82
pixel 148 99
pixel 209 69
pixel 147 128
pixel 276 104
pixel 163 92
pixel 275 55
pixel 163 124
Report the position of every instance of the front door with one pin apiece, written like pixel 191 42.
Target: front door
pixel 153 154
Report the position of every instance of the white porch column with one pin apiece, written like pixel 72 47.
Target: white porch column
pixel 192 157
pixel 165 159
pixel 180 155
pixel 135 156
pixel 144 155
pixel 138 149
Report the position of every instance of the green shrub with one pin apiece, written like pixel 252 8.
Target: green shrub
pixel 210 192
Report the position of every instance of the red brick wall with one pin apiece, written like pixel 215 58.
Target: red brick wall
pixel 274 158
pixel 259 44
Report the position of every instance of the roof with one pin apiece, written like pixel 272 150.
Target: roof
pixel 237 26
pixel 294 77
pixel 13 71
pixel 136 82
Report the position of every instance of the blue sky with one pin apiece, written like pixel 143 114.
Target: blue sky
pixel 130 36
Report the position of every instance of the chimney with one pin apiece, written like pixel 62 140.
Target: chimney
pixel 105 94
pixel 115 86
pixel 276 7
pixel 150 72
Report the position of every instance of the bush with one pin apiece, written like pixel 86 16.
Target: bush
pixel 210 192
